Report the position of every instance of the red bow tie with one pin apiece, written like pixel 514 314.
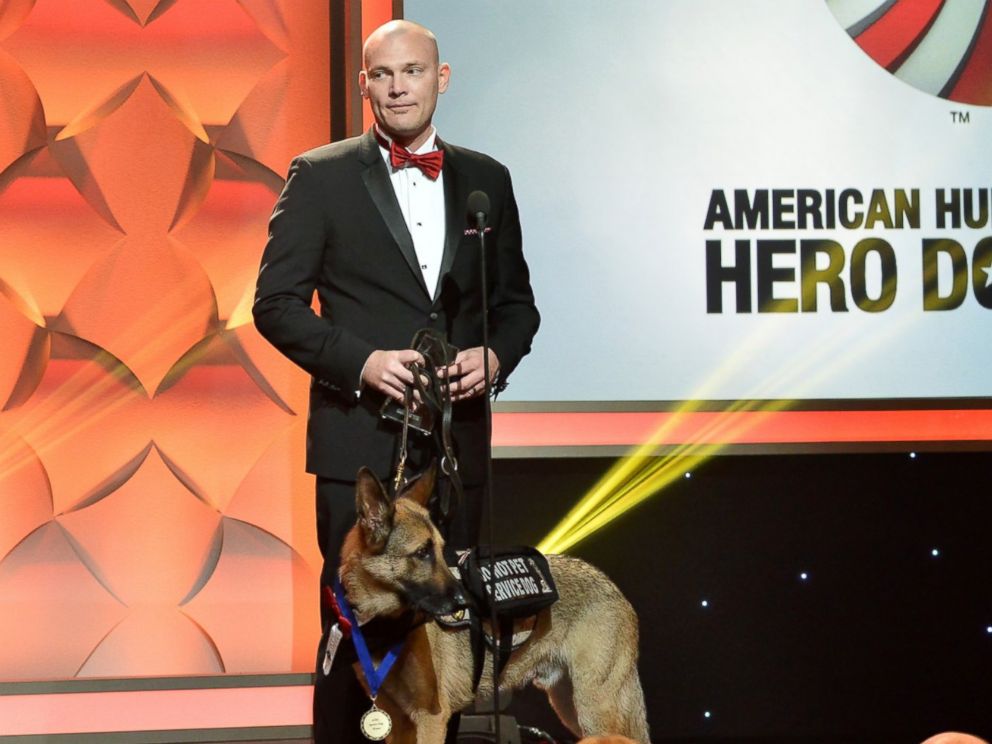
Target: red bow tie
pixel 429 162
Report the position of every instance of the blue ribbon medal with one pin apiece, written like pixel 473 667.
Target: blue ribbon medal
pixel 376 723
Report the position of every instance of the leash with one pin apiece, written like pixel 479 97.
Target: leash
pixel 435 405
pixel 398 480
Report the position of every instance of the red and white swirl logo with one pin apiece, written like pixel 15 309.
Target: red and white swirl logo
pixel 942 47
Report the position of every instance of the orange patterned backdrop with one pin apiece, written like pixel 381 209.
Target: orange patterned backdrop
pixel 154 514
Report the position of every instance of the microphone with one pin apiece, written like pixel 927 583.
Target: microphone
pixel 478 209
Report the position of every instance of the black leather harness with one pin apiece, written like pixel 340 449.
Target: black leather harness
pixel 523 587
pixel 422 416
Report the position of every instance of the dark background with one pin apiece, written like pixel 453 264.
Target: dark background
pixel 883 642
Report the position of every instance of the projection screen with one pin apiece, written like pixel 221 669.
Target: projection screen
pixel 754 200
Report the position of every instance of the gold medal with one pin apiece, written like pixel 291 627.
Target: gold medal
pixel 376 724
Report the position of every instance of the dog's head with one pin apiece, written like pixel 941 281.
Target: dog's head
pixel 393 559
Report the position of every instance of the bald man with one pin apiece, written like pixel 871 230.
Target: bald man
pixel 376 225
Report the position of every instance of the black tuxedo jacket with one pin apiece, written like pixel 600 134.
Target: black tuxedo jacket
pixel 337 228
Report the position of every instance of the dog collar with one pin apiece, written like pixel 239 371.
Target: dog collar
pixel 330 600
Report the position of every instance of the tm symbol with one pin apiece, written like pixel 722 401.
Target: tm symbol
pixel 961 117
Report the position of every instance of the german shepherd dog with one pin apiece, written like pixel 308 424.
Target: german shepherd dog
pixel 582 650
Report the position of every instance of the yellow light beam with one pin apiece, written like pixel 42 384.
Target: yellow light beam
pixel 637 476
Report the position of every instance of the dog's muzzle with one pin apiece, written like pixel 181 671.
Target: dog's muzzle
pixel 447 603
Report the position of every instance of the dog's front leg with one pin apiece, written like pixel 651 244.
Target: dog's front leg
pixel 431 728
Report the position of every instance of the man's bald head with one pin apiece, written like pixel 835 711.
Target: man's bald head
pixel 393 29
pixel 402 78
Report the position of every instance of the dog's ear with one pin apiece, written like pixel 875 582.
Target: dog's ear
pixel 374 509
pixel 421 489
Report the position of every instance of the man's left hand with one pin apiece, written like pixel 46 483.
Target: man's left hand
pixel 467 373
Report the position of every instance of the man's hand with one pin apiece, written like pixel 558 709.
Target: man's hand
pixel 467 374
pixel 387 371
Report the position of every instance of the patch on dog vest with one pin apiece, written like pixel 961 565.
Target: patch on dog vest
pixel 521 584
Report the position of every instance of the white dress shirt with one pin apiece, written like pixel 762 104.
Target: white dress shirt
pixel 421 201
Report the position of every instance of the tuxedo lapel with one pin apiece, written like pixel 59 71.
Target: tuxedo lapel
pixel 376 179
pixel 454 209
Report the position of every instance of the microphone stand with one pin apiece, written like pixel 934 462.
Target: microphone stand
pixel 480 222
